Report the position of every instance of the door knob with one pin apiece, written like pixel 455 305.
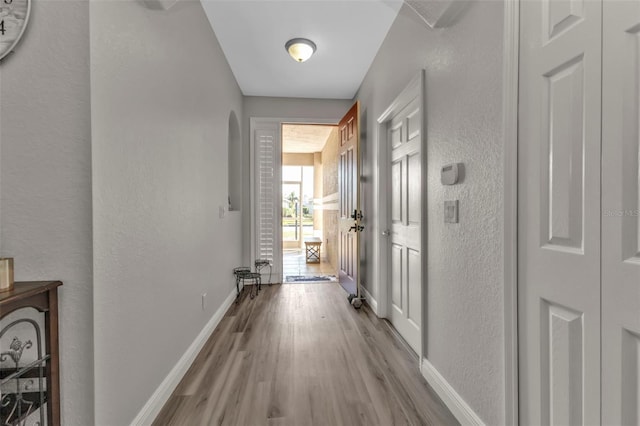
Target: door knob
pixel 386 233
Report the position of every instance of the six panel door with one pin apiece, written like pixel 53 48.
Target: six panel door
pixel 349 200
pixel 620 213
pixel 559 212
pixel 405 141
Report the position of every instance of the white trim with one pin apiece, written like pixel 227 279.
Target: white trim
pixel 331 198
pixel 329 207
pixel 510 214
pixel 458 407
pixel 380 225
pixel 330 202
pixel 415 89
pixel 373 303
pixel 409 93
pixel 152 408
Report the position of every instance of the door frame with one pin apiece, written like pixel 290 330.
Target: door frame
pixel 274 123
pixel 510 87
pixel 381 249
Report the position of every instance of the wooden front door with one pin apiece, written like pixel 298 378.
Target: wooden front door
pixel 349 200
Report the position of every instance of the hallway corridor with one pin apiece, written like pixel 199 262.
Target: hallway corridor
pixel 300 355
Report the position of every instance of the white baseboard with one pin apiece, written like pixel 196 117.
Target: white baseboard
pixel 152 408
pixel 370 300
pixel 449 396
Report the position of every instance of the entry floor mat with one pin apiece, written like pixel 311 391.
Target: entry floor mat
pixel 310 278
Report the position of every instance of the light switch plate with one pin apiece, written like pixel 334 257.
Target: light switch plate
pixel 451 211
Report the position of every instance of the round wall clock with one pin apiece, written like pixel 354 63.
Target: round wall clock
pixel 14 16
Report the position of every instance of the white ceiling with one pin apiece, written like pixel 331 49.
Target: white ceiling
pixel 348 34
pixel 304 138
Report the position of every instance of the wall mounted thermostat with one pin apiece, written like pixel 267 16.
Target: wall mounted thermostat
pixel 450 173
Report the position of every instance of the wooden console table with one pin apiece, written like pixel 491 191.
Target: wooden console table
pixel 43 296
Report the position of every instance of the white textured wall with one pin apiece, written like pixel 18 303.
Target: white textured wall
pixel 45 184
pixel 257 106
pixel 463 124
pixel 162 93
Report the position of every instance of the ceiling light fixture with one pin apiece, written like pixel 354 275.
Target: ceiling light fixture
pixel 300 49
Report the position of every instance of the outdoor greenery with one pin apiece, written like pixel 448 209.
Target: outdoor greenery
pixel 290 220
pixel 292 201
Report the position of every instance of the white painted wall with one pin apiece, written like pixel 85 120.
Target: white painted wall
pixel 162 93
pixel 256 106
pixel 45 181
pixel 463 124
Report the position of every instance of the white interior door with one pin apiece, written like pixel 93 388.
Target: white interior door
pixel 621 221
pixel 404 137
pixel 559 212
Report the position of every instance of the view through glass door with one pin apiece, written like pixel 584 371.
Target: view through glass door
pixel 297 205
pixel 291 215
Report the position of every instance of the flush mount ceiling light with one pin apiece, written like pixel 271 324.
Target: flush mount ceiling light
pixel 300 49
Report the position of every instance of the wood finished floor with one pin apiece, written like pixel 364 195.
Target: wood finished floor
pixel 301 355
